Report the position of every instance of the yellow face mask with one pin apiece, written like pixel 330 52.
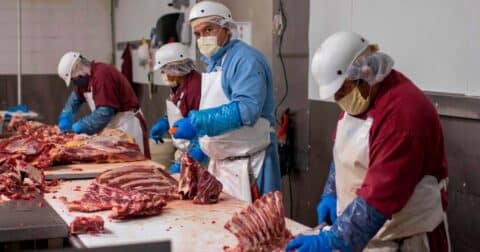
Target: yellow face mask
pixel 168 82
pixel 354 103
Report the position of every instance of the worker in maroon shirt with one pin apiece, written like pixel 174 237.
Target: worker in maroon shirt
pixel 387 187
pixel 179 73
pixel 108 94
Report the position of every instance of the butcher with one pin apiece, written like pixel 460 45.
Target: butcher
pixel 389 176
pixel 179 72
pixel 235 120
pixel 109 96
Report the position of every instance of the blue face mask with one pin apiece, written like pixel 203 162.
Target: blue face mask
pixel 81 81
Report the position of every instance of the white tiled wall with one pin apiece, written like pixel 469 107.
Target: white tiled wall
pixel 49 29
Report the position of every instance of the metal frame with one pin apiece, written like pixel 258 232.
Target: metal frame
pixel 455 105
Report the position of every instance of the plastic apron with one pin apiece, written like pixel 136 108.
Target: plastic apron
pixel 174 114
pixel 423 211
pixel 125 121
pixel 237 156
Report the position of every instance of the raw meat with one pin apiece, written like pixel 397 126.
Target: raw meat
pixel 128 191
pixel 44 146
pixel 197 183
pixel 261 226
pixel 37 145
pixel 12 182
pixel 83 224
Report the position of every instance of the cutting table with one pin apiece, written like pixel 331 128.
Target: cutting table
pixel 190 227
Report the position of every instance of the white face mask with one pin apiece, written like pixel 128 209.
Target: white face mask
pixel 168 82
pixel 208 46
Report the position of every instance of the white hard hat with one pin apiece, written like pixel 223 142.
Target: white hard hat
pixel 66 64
pixel 170 52
pixel 332 60
pixel 208 8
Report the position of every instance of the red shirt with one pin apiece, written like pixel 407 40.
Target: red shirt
pixel 188 94
pixel 110 88
pixel 405 144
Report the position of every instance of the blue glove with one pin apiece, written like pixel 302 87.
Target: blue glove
pixel 185 129
pixel 77 128
pixel 65 121
pixel 95 121
pixel 175 167
pixel 327 207
pixel 20 107
pixel 216 121
pixel 311 243
pixel 357 225
pixel 197 154
pixel 159 129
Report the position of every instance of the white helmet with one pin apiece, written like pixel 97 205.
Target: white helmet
pixel 332 60
pixel 208 8
pixel 170 52
pixel 66 64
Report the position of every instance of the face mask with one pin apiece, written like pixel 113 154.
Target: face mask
pixel 208 46
pixel 354 103
pixel 168 82
pixel 81 81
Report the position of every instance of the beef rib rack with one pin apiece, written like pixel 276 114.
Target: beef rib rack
pixel 260 226
pixel 197 183
pixel 129 191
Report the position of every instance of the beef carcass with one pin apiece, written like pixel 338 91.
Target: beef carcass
pixel 260 226
pixel 128 191
pixel 90 225
pixel 197 183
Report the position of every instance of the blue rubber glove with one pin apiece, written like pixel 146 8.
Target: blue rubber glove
pixel 95 121
pixel 175 167
pixel 185 129
pixel 159 129
pixel 197 154
pixel 327 207
pixel 352 231
pixel 216 121
pixel 77 128
pixel 65 122
pixel 310 243
pixel 20 107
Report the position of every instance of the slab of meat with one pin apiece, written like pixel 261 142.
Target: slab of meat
pixel 129 191
pixel 197 183
pixel 260 226
pixel 12 184
pixel 44 145
pixel 90 225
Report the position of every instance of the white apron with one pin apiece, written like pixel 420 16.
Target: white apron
pixel 174 114
pixel 423 211
pixel 237 156
pixel 124 121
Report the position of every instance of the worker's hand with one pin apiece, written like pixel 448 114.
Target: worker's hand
pixel 159 129
pixel 185 129
pixel 65 122
pixel 307 243
pixel 327 207
pixel 197 154
pixel 77 128
pixel 175 167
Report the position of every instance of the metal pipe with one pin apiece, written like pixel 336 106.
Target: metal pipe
pixel 19 52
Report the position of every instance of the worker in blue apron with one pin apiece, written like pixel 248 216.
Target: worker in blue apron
pixel 236 119
pixel 178 72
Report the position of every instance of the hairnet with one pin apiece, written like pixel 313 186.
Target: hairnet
pixel 178 68
pixel 372 68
